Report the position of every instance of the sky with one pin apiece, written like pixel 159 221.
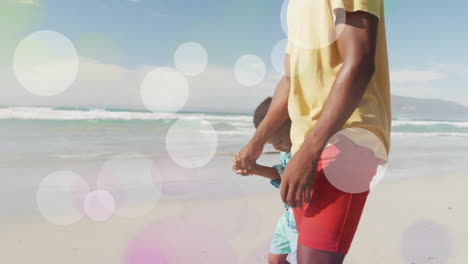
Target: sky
pixel 119 42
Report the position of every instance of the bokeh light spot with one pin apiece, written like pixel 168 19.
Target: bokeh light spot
pixel 179 240
pixel 191 143
pixel 191 58
pixel 15 19
pixel 320 30
pixel 354 160
pixel 277 55
pixel 130 179
pixel 284 16
pixel 164 89
pixel 249 70
pixel 46 63
pixel 99 205
pixel 60 197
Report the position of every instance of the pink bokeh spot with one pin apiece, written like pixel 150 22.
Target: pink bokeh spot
pixel 99 205
pixel 354 160
pixel 179 240
pixel 146 256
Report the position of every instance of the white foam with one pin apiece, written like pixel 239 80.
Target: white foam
pixel 242 123
pixel 42 113
pixel 428 123
pixel 429 134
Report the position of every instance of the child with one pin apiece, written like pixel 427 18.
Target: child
pixel 285 237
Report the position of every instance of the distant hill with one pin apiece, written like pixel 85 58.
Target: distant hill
pixel 427 109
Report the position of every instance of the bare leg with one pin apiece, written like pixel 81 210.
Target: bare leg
pixel 306 255
pixel 277 259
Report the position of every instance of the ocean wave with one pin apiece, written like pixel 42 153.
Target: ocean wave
pixel 224 124
pixel 42 113
pixel 435 128
pixel 396 123
pixel 84 156
pixel 429 134
pixel 234 133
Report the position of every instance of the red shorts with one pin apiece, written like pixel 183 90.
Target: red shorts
pixel 329 221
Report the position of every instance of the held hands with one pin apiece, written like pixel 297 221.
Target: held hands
pixel 237 167
pixel 248 156
pixel 298 178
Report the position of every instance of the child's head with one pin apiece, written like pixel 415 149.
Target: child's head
pixel 280 139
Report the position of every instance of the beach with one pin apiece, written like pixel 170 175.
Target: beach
pixel 393 209
pixel 206 214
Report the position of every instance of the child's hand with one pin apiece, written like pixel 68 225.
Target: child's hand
pixel 237 167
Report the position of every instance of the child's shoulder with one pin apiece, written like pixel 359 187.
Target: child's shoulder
pixel 285 157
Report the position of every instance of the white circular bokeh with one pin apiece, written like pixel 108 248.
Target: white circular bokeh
pixel 164 89
pixel 354 160
pixel 60 197
pixel 316 31
pixel 284 16
pixel 130 179
pixel 277 55
pixel 191 143
pixel 46 63
pixel 99 205
pixel 249 70
pixel 191 58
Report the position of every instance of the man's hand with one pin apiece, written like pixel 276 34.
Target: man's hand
pixel 248 156
pixel 237 167
pixel 298 178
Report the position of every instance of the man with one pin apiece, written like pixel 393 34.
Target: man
pixel 337 71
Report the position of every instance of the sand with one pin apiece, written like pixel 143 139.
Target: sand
pixel 418 220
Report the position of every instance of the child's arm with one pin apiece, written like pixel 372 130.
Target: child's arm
pixel 267 172
pixel 260 170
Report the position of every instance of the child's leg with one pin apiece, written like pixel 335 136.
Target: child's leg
pixel 277 259
pixel 292 235
pixel 280 246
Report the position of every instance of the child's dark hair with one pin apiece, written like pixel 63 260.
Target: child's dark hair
pixel 261 111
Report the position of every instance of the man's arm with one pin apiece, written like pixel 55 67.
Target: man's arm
pixel 277 114
pixel 357 46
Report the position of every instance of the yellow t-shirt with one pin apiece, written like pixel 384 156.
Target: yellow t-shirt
pixel 315 63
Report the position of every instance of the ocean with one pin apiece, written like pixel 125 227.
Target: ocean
pixel 38 141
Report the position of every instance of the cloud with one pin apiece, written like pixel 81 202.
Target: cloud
pixel 452 68
pixel 442 80
pixel 218 90
pixel 135 1
pixel 101 85
pixel 410 76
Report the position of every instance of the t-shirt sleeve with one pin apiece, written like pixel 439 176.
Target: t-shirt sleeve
pixel 276 183
pixel 373 7
pixel 280 170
